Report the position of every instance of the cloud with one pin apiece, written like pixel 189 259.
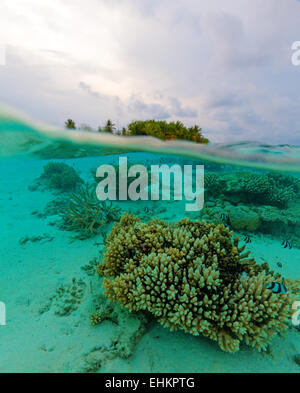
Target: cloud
pixel 226 99
pixel 147 111
pixel 180 111
pixel 89 90
pixel 225 66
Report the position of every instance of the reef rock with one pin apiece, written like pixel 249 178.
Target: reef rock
pixel 242 218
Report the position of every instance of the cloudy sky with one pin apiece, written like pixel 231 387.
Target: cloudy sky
pixel 225 65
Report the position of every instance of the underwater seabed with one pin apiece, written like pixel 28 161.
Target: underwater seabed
pixel 50 288
pixel 55 234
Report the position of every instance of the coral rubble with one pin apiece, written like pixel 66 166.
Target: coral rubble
pixel 193 276
pixel 67 298
pixel 91 267
pixel 126 330
pixel 34 239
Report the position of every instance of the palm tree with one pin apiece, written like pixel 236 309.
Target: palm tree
pixel 70 124
pixel 110 126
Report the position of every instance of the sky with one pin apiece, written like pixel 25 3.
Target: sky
pixel 224 65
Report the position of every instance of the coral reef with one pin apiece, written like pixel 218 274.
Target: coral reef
pixel 193 276
pixel 59 176
pixel 261 189
pixel 86 215
pixel 268 203
pixel 280 223
pixel 242 218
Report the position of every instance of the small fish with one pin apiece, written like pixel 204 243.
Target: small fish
pixel 277 287
pixel 279 264
pixel 287 244
pixel 247 239
pixel 146 209
pixel 226 219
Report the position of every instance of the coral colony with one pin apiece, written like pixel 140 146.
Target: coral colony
pixel 193 276
pixel 272 189
pixel 85 214
pixel 112 188
pixel 60 176
pixel 264 202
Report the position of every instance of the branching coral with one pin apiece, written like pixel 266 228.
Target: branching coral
pixel 96 318
pixel 86 215
pixel 60 176
pixel 193 276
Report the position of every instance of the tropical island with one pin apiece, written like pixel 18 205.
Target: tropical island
pixel 156 128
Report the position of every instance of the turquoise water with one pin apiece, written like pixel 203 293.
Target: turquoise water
pixel 65 314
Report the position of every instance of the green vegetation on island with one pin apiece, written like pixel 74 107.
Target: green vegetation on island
pixel 165 131
pixel 156 128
